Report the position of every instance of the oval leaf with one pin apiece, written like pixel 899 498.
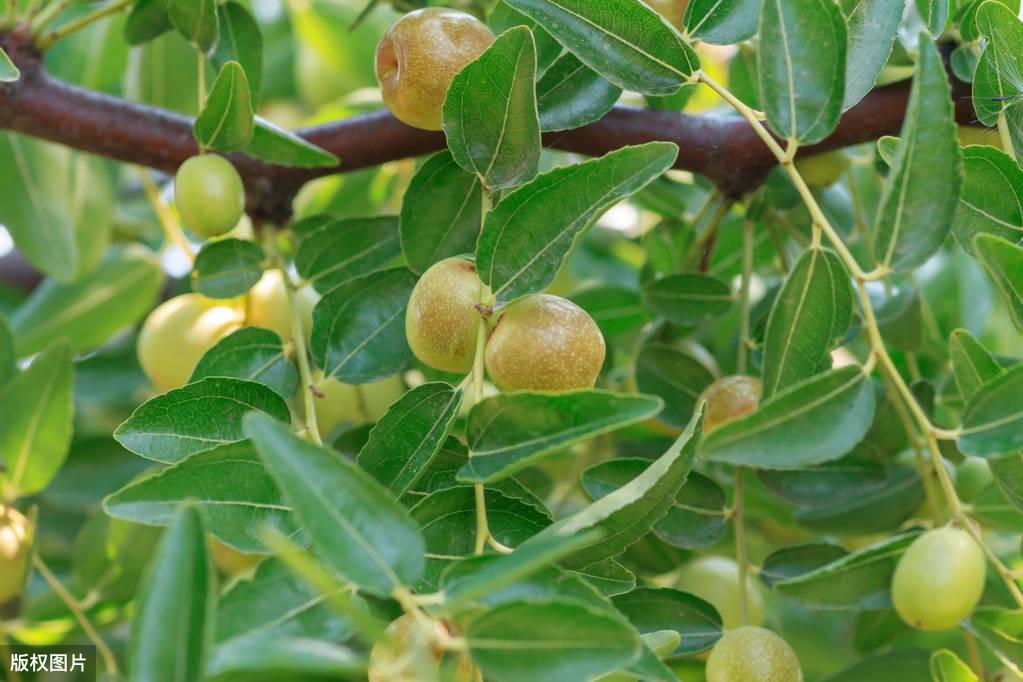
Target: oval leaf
pixel 1004 262
pixel 873 26
pixel 225 122
pixel 989 201
pixel 341 250
pixel 571 95
pixel 250 354
pixel 227 268
pixel 688 298
pixel 993 419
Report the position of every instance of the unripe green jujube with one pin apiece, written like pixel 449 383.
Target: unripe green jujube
pixel 339 402
pixel 442 321
pixel 420 54
pixel 544 343
pixel 939 580
pixel 15 546
pixel 209 195
pixel 971 477
pixel 715 579
pixel 753 654
pixel 822 170
pixel 730 398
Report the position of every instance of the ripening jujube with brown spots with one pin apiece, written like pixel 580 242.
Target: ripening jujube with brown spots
pixel 730 398
pixel 442 321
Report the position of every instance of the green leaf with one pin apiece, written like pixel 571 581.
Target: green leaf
pixel 441 213
pixel 229 484
pixel 226 120
pixel 502 17
pixel 250 354
pixel 355 525
pixel 967 18
pixel 972 364
pixel 35 423
pixel 624 41
pixel 934 14
pixel 722 22
pixel 405 440
pixel 9 73
pixel 8 358
pixel 900 320
pixel 91 310
pixel 341 250
pixel 996 81
pixel 814 421
pixel 997 506
pixel 920 194
pixel 1008 474
pixel 852 476
pixel 571 95
pixel 359 327
pixel 608 576
pixel 111 556
pixel 992 423
pixel 1003 260
pixel 873 26
pixel 630 512
pixel 527 236
pixel 652 610
pixel 615 309
pixel 227 268
pixel 285 658
pixel 550 641
pixel 687 299
pixel 275 145
pixel 675 373
pixel 989 201
pixel 148 19
pixel 905 665
pixel 241 40
pixel 197 21
pixel 490 116
pixel 1000 629
pixel 883 507
pixel 196 418
pixel 825 577
pixel 802 70
pixel 809 317
pixel 946 667
pixel 511 431
pixel 173 620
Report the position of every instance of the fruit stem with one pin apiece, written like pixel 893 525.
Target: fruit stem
pixel 63 31
pixel 482 525
pixel 744 296
pixel 47 15
pixel 171 227
pixel 741 558
pixel 109 661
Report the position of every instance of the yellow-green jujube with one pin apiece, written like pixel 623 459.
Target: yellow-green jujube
pixel 15 547
pixel 822 170
pixel 178 333
pixel 420 54
pixel 672 10
pixel 269 306
pixel 753 654
pixel 339 402
pixel 442 321
pixel 939 579
pixel 544 343
pixel 209 195
pixel 730 398
pixel 715 579
pixel 409 653
pixel 971 477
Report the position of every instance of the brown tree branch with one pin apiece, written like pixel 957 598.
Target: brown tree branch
pixel 721 147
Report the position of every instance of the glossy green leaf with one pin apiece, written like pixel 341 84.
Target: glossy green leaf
pixel 229 484
pixel 275 145
pixel 814 421
pixel 571 94
pixel 502 17
pixel 9 73
pixel 197 21
pixel 490 116
pixel 996 81
pixel 624 41
pixel 341 250
pixel 226 120
pixel 1003 260
pixel 359 327
pixel 173 622
pixel 354 524
pixel 527 236
pixel 35 423
pixel 934 14
pixel 147 19
pixel 651 610
pixel 989 201
pixel 241 40
pixel 511 431
pixel 1008 474
pixel 550 641
pixel 677 374
pixel 405 440
pixel 196 418
pixel 920 194
pixel 873 26
pixel 688 298
pixel 227 268
pixel 1000 629
pixel 947 667
pixel 802 71
pixel 809 317
pixel 277 658
pixel 93 309
pixel 250 354
pixel 722 22
pixel 441 213
pixel 992 424
pixel 972 364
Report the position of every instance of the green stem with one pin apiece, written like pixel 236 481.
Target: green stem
pixel 741 558
pixel 697 250
pixel 47 15
pixel 482 524
pixel 63 31
pixel 744 296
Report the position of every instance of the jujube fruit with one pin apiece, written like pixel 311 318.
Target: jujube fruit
pixel 730 398
pixel 178 333
pixel 715 579
pixel 408 654
pixel 15 546
pixel 939 580
pixel 672 10
pixel 971 477
pixel 268 306
pixel 442 322
pixel 209 195
pixel 822 170
pixel 420 54
pixel 753 654
pixel 544 343
pixel 339 402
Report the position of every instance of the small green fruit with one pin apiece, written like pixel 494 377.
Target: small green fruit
pixel 971 477
pixel 730 398
pixel 822 170
pixel 544 343
pixel 716 580
pixel 15 546
pixel 442 322
pixel 418 57
pixel 939 579
pixel 209 195
pixel 753 654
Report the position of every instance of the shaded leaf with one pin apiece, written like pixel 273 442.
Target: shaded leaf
pixel 571 95
pixel 147 19
pixel 676 374
pixel 1003 260
pixel 341 250
pixel 197 21
pixel 275 145
pixel 651 610
pixel 992 424
pixel 227 268
pixel 250 354
pixel 972 364
pixel 989 201
pixel 687 298
pixel 241 40
pixel 873 26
